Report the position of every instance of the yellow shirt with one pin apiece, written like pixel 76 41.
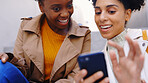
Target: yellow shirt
pixel 51 44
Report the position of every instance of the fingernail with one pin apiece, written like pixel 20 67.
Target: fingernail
pixel 99 73
pixel 83 71
pixel 3 59
pixel 107 80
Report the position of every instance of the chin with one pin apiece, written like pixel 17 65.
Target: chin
pixel 106 37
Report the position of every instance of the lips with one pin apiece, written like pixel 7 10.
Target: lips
pixel 105 26
pixel 63 22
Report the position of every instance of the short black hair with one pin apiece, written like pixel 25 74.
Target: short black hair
pixel 129 4
pixel 40 1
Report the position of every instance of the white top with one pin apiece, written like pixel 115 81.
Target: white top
pixel 135 34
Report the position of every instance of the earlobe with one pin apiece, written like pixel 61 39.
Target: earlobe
pixel 128 14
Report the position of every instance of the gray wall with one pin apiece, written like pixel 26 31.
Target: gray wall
pixel 13 10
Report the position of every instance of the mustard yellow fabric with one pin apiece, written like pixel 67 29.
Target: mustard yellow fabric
pixel 51 45
pixel 144 33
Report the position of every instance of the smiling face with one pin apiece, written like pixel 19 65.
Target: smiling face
pixel 58 13
pixel 110 17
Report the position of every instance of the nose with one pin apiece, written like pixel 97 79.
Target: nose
pixel 103 17
pixel 64 13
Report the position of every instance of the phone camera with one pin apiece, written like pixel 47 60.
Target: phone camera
pixel 86 59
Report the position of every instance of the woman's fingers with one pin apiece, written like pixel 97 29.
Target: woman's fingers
pixel 94 77
pixel 105 80
pixel 1 54
pixel 135 53
pixel 137 49
pixel 113 59
pixel 79 77
pixel 141 62
pixel 4 57
pixel 139 57
pixel 132 51
pixel 119 48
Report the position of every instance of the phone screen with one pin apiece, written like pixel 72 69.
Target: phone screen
pixel 93 63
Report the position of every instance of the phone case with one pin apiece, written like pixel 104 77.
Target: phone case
pixel 93 62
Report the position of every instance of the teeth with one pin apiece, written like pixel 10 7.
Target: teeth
pixel 104 27
pixel 63 21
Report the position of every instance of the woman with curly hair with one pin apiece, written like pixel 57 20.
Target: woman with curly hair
pixel 124 64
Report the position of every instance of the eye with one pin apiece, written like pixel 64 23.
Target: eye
pixel 56 9
pixel 70 6
pixel 98 13
pixel 111 12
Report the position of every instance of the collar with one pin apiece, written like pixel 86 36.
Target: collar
pixel 34 26
pixel 119 39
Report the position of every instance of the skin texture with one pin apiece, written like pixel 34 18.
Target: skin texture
pixel 122 71
pixel 58 13
pixel 127 66
pixel 3 57
pixel 112 15
pixel 104 16
pixel 79 77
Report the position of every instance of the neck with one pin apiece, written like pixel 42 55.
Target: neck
pixel 120 40
pixel 58 30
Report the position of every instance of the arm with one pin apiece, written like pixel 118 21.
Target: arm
pixel 18 52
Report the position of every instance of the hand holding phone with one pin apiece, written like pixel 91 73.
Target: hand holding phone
pixel 93 63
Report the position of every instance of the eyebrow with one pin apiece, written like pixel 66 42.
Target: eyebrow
pixel 97 7
pixel 55 5
pixel 61 4
pixel 112 5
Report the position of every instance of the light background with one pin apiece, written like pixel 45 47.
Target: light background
pixel 13 10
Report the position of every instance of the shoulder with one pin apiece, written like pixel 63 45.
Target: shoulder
pixel 25 20
pixel 28 18
pixel 84 27
pixel 138 34
pixel 30 21
pixel 133 31
pixel 78 29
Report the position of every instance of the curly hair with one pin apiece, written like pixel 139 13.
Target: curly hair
pixel 130 4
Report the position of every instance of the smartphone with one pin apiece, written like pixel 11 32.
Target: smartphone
pixel 93 62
